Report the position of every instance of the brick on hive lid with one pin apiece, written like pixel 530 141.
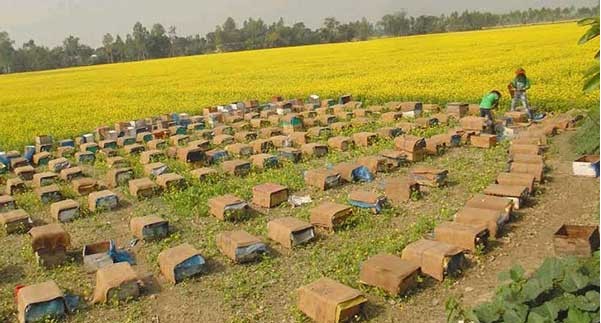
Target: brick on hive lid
pixel 119 176
pixel 375 164
pixel 457 109
pixel 314 149
pixel 340 143
pixel 43 179
pixel 489 202
pixel 41 301
pixel 49 243
pixel 469 237
pixel 494 220
pixel 223 140
pixel 240 246
pixel 149 228
pixel 228 207
pixel 244 136
pixel 399 190
pixel 261 145
pixel 14 186
pixel 25 172
pixel 290 232
pixel 429 176
pixel 49 193
pixel 84 185
pixel 264 161
pixel 181 262
pixel 239 149
pixel 389 132
pixel 15 221
pixel 536 170
pixel 367 200
pixel 41 158
pixel 7 203
pixel 389 272
pixel 576 240
pixel 58 164
pixel 223 130
pixel 116 281
pixel 65 210
pixel 269 195
pixel 203 173
pixel 236 167
pixel 525 149
pixel 134 149
pixel 517 193
pixel 394 159
pixel 483 140
pixel 269 132
pixel 291 154
pixel 364 139
pixel 112 144
pixel 86 157
pixel 171 181
pixel 157 144
pixel 322 178
pixel 142 187
pixel 330 215
pixel 326 300
pixel 435 258
pixel 413 146
pixel 102 200
pixel 155 169
pixel 521 179
pixel 151 156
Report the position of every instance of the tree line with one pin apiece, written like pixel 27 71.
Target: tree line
pixel 157 42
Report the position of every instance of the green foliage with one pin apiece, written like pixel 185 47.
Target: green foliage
pixel 592 74
pixel 586 140
pixel 561 290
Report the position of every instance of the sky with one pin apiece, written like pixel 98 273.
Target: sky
pixel 48 22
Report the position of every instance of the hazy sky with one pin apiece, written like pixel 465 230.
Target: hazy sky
pixel 50 21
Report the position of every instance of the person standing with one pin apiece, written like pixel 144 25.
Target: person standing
pixel 518 87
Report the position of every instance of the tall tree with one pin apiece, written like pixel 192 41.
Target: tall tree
pixel 6 52
pixel 107 42
pixel 140 40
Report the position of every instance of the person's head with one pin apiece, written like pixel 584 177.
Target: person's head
pixel 520 71
pixel 497 93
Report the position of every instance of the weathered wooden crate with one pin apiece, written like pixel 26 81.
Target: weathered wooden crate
pixel 326 300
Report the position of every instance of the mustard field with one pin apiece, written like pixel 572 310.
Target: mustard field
pixel 433 68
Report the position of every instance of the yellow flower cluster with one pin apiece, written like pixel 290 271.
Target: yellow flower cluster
pixel 433 68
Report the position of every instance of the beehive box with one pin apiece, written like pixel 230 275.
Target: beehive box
pixel 587 165
pixel 269 132
pixel 299 138
pixel 244 136
pixel 390 132
pixel 157 144
pixel 576 240
pixel 394 159
pixel 261 145
pixel 390 273
pixel 290 232
pixel 116 282
pixel 240 246
pixel 25 172
pixel 435 258
pixel 151 156
pixel 14 186
pixel 281 141
pixel 435 146
pixel 7 203
pixel 483 140
pixel 391 116
pixel 314 149
pixel 330 215
pixel 89 147
pixel 171 181
pixel 58 164
pixel 40 302
pixel 142 187
pixel 155 169
pixel 315 132
pixel 517 116
pixel 352 172
pixel 223 140
pixel 215 156
pixel 43 179
pixel 517 179
pixel 41 158
pixel 325 120
pixel 517 193
pixel 426 122
pixel 223 130
pixel 190 154
pixel 291 154
pixel 181 262
pixel 375 164
pixel 269 195
pixel 240 126
pixel 119 176
pixel 49 243
pixel 414 147
pixel 49 193
pixel 264 161
pixel 340 143
pixel 457 109
pixel 96 255
pixel 364 139
pixel 309 122
pixel 102 201
pixel 228 207
pixel 495 203
pixel 493 219
pixel 363 112
pixel 134 149
pixel 65 210
pixel 144 137
pixel 236 167
pixel 85 157
pixel 149 228
pixel 326 300
pixel 400 190
pixel 469 237
pixel 367 200
pixel 17 162
pixel 200 143
pixel 322 178
pixel 527 149
pixel 536 170
pixel 444 118
pixel 428 176
pixel 104 144
pixel 477 124
pixel 15 221
pixel 203 173
pixel 84 185
pixel 259 123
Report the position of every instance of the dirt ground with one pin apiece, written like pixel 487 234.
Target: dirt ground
pixel 265 291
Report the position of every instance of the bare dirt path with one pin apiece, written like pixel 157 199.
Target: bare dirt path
pixel 563 198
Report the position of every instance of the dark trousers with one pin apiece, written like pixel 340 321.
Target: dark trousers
pixel 487 113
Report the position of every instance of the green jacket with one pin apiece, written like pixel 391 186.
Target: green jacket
pixel 489 101
pixel 521 83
